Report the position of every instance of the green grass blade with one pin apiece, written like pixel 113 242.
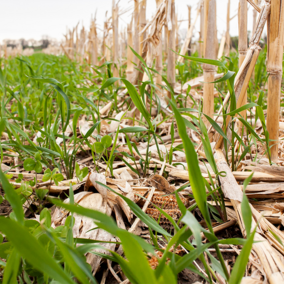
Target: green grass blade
pixel 76 262
pixel 194 226
pixel 245 207
pixel 137 260
pixel 138 102
pixel 13 198
pixel 203 60
pixel 133 129
pixel 183 262
pixel 242 260
pixel 242 108
pixel 32 250
pixel 217 127
pixel 195 177
pixel 109 82
pixel 12 268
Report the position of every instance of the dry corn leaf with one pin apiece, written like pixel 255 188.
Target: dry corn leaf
pixel 161 184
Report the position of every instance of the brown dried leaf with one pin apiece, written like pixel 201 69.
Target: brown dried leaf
pixel 83 226
pixel 161 184
pixel 94 177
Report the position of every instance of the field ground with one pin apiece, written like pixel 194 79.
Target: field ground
pixel 73 131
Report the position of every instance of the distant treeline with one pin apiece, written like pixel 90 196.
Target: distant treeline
pixel 41 44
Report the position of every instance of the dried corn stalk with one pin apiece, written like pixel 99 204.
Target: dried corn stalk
pixel 130 66
pixel 243 40
pixel 115 38
pixel 105 48
pixel 154 36
pixel 228 38
pixel 142 24
pixel 209 70
pixel 188 38
pixel 246 69
pixel 274 69
pixel 136 31
pixel 171 77
pixel 158 53
pixel 201 33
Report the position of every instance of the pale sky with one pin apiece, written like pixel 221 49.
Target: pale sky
pixel 36 18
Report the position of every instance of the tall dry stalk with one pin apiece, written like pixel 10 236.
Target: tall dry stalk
pixel 222 45
pixel 243 39
pixel 71 40
pixel 115 46
pixel 254 17
pixel 274 68
pixel 108 50
pixel 171 44
pixel 244 74
pixel 201 32
pixel 123 45
pixel 165 42
pixel 83 36
pixel 177 35
pixel 130 67
pixel 142 24
pixel 94 42
pixel 216 38
pixel 149 62
pixel 89 49
pixel 228 39
pixel 189 25
pixel 187 40
pixel 136 30
pixel 104 40
pixel 77 43
pixel 209 53
pixel 159 55
pixel 88 56
pixel 154 28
